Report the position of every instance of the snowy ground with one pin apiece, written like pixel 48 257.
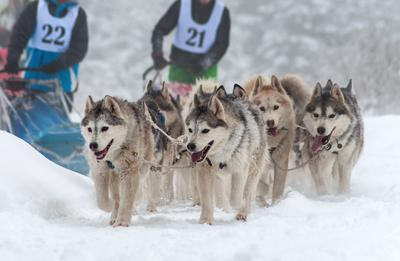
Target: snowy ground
pixel 48 213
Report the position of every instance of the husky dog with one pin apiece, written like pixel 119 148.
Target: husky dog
pixel 119 138
pixel 223 138
pixel 174 127
pixel 335 135
pixel 281 104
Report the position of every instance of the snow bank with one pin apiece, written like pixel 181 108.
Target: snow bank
pixel 47 213
pixel 31 182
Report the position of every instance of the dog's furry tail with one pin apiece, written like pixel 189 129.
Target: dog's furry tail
pixel 298 91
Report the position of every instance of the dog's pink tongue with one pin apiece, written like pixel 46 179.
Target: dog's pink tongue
pixel 196 156
pixel 317 143
pixel 272 131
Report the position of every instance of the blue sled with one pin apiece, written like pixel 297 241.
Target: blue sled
pixel 41 119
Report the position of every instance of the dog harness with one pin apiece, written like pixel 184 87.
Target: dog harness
pixel 193 37
pixel 53 34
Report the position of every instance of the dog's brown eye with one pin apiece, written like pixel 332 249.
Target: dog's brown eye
pixel 262 108
pixel 205 131
pixel 104 129
pixel 316 115
pixel 89 129
pixel 331 116
pixel 276 107
pixel 190 130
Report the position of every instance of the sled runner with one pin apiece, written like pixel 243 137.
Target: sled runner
pixel 41 118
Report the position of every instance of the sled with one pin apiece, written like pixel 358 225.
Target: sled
pixel 41 118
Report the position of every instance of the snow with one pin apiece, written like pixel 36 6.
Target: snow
pixel 49 213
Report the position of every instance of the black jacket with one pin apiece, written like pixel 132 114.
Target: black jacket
pixel 200 14
pixel 25 27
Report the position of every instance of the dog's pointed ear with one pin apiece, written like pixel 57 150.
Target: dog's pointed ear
pixel 165 92
pixel 317 90
pixel 336 93
pixel 112 105
pixel 146 111
pixel 149 86
pixel 329 83
pixel 221 92
pixel 196 101
pixel 239 92
pixel 200 91
pixel 216 107
pixel 276 83
pixel 349 87
pixel 89 104
pixel 257 85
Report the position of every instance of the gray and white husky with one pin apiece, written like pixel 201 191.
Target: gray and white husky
pixel 224 137
pixel 119 139
pixel 335 136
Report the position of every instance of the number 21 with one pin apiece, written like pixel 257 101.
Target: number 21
pixel 195 38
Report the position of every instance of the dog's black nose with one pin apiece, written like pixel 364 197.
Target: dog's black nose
pixel 191 146
pixel 270 123
pixel 321 130
pixel 93 146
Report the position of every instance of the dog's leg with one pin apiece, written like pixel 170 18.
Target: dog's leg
pixel 237 187
pixel 205 180
pixel 317 177
pixel 220 192
pixel 101 180
pixel 249 193
pixel 114 188
pixel 195 188
pixel 129 185
pixel 280 174
pixel 153 191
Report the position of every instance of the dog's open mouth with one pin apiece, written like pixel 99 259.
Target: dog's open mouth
pixel 272 131
pixel 320 141
pixel 101 154
pixel 198 157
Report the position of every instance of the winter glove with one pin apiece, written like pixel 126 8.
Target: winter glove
pixel 50 68
pixel 12 67
pixel 159 60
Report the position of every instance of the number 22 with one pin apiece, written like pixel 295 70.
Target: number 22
pixel 48 33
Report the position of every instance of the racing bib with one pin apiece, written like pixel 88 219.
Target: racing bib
pixel 53 33
pixel 193 37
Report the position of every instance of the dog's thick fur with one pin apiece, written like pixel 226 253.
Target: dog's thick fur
pixel 118 136
pixel 224 136
pixel 335 136
pixel 174 127
pixel 281 104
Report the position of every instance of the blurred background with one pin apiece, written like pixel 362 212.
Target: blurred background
pixel 316 39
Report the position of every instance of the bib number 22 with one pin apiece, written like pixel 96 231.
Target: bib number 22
pixel 196 38
pixel 53 35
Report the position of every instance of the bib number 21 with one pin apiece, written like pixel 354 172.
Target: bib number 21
pixel 196 38
pixel 53 35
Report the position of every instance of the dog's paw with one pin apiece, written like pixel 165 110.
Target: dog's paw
pixel 121 223
pixel 112 221
pixel 241 217
pixel 207 221
pixel 151 209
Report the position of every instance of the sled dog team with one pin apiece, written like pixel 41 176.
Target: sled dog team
pixel 239 146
